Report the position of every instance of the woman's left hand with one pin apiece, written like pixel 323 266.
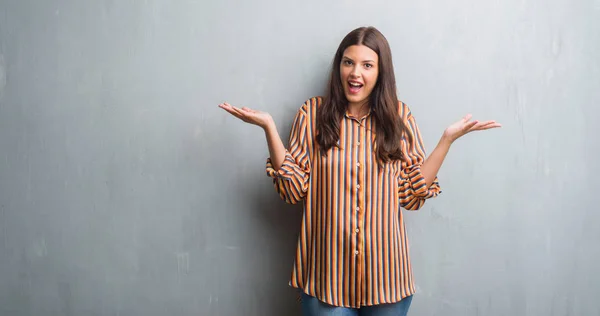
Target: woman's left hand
pixel 465 125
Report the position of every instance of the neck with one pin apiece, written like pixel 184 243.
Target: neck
pixel 358 109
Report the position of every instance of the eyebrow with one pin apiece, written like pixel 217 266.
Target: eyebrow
pixel 364 61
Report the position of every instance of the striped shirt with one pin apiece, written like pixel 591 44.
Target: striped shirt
pixel 352 248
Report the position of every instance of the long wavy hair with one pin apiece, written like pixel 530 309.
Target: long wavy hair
pixel 383 99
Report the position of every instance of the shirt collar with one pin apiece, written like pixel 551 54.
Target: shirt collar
pixel 348 115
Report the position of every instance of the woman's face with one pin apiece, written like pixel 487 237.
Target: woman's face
pixel 358 72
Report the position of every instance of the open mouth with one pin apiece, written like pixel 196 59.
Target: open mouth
pixel 354 87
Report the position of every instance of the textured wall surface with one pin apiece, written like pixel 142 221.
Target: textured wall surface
pixel 124 190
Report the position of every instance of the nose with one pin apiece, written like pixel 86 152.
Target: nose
pixel 354 73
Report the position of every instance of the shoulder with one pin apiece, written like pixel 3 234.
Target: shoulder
pixel 312 103
pixel 309 107
pixel 404 110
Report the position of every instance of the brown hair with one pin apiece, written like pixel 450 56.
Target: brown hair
pixel 382 100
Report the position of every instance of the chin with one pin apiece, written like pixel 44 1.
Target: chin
pixel 351 98
pixel 355 99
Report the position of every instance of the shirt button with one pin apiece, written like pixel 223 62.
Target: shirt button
pixel 357 143
pixel 358 186
pixel 358 164
pixel 358 208
pixel 356 252
pixel 357 230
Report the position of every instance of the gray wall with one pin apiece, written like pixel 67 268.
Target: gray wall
pixel 124 190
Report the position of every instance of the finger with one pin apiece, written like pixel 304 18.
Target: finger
pixel 243 111
pixel 239 112
pixel 229 105
pixel 226 106
pixel 489 126
pixel 235 111
pixel 482 124
pixel 467 117
pixel 486 125
pixel 468 126
pixel 236 114
pixel 248 117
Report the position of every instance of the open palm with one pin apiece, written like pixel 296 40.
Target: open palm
pixel 465 125
pixel 248 115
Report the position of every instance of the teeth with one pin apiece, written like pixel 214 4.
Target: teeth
pixel 355 84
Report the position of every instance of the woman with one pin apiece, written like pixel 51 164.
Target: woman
pixel 354 158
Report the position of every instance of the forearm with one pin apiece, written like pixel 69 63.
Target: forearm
pixel 432 164
pixel 276 147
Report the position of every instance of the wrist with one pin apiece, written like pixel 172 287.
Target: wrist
pixel 269 125
pixel 446 140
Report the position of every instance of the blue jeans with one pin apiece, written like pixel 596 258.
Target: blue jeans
pixel 311 306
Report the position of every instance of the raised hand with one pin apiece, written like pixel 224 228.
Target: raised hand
pixel 465 125
pixel 277 150
pixel 255 117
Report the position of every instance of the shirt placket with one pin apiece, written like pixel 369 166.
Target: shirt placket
pixel 358 229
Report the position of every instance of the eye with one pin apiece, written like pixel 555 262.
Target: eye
pixel 368 65
pixel 347 62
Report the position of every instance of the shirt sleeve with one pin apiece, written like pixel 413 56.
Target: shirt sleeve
pixel 292 179
pixel 412 189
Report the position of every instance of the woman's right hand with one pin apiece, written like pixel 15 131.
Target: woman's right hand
pixel 259 118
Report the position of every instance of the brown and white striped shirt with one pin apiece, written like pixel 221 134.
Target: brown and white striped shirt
pixel 352 248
